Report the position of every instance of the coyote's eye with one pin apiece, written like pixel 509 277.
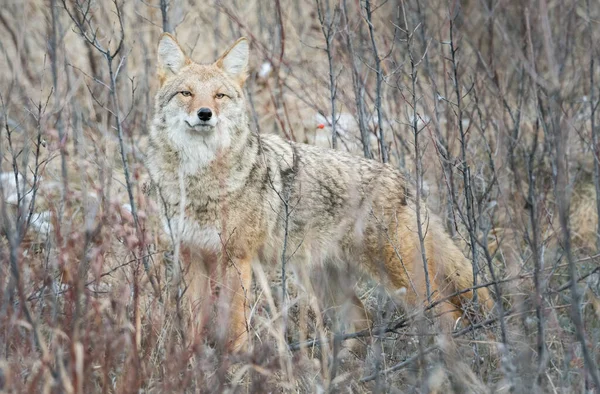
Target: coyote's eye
pixel 219 96
pixel 186 93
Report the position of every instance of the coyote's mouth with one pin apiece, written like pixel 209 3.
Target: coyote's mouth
pixel 200 127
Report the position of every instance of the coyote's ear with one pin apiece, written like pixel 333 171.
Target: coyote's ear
pixel 235 60
pixel 170 56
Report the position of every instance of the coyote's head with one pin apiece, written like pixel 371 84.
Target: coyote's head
pixel 200 107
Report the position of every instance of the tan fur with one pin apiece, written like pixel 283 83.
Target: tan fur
pixel 243 192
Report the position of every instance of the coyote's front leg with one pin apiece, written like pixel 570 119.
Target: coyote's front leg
pixel 238 283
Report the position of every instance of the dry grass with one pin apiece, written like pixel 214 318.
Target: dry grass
pixel 78 313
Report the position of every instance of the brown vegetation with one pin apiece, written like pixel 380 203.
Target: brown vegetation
pixel 490 106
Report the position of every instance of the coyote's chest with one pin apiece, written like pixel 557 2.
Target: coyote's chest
pixel 194 210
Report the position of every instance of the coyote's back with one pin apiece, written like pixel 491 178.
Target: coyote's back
pixel 236 197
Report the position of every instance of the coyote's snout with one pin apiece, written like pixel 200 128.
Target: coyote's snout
pixel 203 120
pixel 234 197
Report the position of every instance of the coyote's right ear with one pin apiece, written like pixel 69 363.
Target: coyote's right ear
pixel 171 58
pixel 235 60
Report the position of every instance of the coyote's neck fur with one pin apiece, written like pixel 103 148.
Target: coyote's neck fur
pixel 183 152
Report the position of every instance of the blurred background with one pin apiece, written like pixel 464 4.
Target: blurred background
pixel 490 106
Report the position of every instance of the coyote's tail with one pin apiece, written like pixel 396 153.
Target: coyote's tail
pixel 458 272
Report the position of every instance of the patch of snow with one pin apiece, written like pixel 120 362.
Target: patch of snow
pixel 265 70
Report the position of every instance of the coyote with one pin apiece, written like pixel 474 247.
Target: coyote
pixel 234 197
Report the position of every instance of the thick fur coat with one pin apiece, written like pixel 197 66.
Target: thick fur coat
pixel 235 197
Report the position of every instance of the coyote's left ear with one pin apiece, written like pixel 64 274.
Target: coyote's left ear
pixel 235 60
pixel 171 57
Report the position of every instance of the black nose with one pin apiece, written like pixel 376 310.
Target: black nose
pixel 204 113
